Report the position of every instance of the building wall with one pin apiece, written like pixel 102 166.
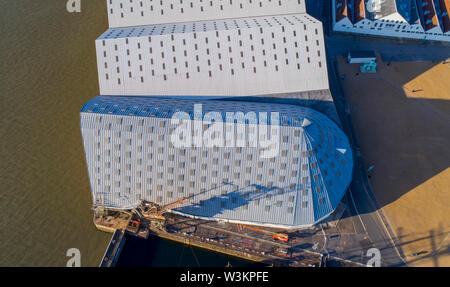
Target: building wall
pixel 390 26
pixel 391 29
pixel 123 13
pixel 382 28
pixel 131 158
pixel 243 57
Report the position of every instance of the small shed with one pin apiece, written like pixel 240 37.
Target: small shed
pixel 361 57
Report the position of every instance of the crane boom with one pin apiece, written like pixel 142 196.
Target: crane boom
pixel 171 205
pixel 155 211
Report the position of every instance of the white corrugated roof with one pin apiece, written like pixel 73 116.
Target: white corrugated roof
pixel 130 158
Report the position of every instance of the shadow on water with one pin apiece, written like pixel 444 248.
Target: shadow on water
pixel 158 252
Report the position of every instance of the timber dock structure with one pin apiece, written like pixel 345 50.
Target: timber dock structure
pixel 227 238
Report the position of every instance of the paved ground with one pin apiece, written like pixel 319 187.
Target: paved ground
pixel 364 208
pixel 390 50
pixel 299 251
pixel 402 120
pixel 345 239
pixel 370 226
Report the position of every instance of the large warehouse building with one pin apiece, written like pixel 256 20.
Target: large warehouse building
pixel 416 19
pixel 132 156
pixel 161 58
pixel 233 48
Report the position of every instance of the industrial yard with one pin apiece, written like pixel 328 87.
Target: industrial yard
pixel 273 247
pixel 401 119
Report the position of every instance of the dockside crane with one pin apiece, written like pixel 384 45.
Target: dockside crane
pixel 154 211
pixel 150 214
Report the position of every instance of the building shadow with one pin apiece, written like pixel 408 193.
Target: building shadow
pixel 320 101
pixel 214 202
pixel 435 238
pixel 397 133
pixel 390 49
pixel 403 138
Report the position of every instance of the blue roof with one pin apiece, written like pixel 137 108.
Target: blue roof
pixel 166 107
pixel 408 9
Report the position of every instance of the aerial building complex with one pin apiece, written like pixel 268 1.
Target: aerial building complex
pixel 160 59
pixel 418 19
pixel 287 172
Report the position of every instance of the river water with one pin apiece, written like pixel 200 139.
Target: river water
pixel 47 71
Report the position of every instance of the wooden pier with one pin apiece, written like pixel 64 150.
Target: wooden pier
pixel 114 249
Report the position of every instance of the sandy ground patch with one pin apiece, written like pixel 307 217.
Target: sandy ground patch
pixel 402 119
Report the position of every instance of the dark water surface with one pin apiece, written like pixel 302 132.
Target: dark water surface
pixel 47 71
pixel 158 252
